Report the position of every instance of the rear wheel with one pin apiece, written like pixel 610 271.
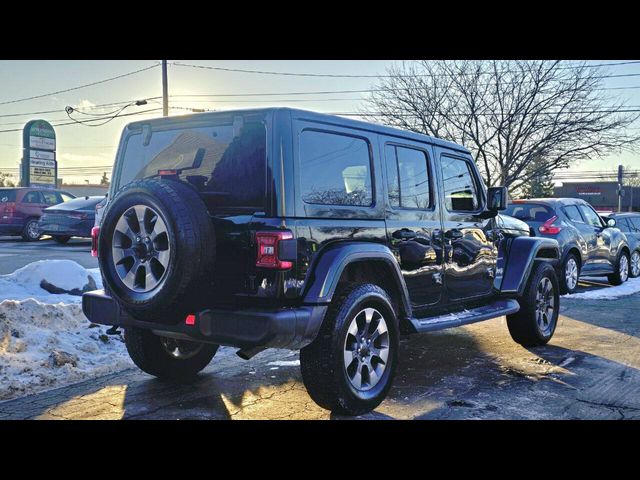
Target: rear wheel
pixel 535 322
pixel 634 267
pixel 350 366
pixel 569 274
pixel 621 274
pixel 168 358
pixel 61 239
pixel 31 232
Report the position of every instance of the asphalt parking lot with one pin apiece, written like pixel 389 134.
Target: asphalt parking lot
pixel 16 253
pixel 590 370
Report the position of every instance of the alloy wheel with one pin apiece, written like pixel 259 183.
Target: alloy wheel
pixel 635 264
pixel 180 349
pixel 571 274
pixel 624 268
pixel 366 349
pixel 545 305
pixel 141 248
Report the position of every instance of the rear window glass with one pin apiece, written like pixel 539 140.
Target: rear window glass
pixel 7 195
pixel 635 223
pixel 529 212
pixel 230 169
pixel 335 169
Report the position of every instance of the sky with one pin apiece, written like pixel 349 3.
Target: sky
pixel 80 146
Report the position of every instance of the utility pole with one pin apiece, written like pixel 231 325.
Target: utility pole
pixel 620 191
pixel 165 90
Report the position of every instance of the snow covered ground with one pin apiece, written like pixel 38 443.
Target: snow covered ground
pixel 45 339
pixel 630 287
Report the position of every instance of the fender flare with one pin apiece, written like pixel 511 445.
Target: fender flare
pixel 516 260
pixel 328 268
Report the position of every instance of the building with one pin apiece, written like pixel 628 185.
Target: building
pixel 603 196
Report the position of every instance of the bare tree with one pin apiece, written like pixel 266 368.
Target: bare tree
pixel 508 113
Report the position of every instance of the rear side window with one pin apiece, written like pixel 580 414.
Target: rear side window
pixel 529 212
pixel 335 169
pixel 407 177
pixel 623 225
pixel 230 170
pixel 573 213
pixel 460 189
pixel 7 196
pixel 592 217
pixel 32 197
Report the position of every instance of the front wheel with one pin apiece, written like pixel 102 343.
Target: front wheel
pixel 621 274
pixel 534 324
pixel 167 358
pixel 350 366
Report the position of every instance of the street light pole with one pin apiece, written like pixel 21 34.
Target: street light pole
pixel 165 90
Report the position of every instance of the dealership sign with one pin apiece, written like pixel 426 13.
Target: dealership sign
pixel 39 166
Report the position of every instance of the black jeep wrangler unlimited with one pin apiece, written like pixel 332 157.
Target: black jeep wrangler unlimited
pixel 292 229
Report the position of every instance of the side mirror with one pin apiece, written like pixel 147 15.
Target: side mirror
pixel 496 199
pixel 611 222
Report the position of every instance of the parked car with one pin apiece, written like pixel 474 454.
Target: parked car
pixel 74 218
pixel 292 229
pixel 22 207
pixel 589 246
pixel 629 224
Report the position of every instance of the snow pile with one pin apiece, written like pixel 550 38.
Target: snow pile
pixel 45 339
pixel 629 287
pixel 65 274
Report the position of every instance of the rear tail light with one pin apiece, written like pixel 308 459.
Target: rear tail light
pixel 549 228
pixel 95 233
pixel 269 249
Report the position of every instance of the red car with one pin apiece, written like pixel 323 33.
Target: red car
pixel 21 208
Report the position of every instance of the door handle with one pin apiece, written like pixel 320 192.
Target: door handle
pixel 453 234
pixel 404 234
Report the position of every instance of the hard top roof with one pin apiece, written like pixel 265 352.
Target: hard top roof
pixel 308 115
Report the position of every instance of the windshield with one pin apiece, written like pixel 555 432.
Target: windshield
pixel 230 169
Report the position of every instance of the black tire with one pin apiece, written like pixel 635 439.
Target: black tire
pixel 28 234
pixel 189 233
pixel 322 362
pixel 631 274
pixel 618 278
pixel 562 274
pixel 61 239
pixel 150 355
pixel 523 325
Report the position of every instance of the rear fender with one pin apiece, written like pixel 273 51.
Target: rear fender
pixel 332 262
pixel 516 258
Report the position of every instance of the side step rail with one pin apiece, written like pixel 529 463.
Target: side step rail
pixel 464 317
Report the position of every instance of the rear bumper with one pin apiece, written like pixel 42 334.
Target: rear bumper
pixel 290 328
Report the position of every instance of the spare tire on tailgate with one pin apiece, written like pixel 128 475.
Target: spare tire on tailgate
pixel 156 249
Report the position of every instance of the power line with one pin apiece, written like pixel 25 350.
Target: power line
pixel 79 86
pixel 91 120
pixel 331 92
pixel 333 75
